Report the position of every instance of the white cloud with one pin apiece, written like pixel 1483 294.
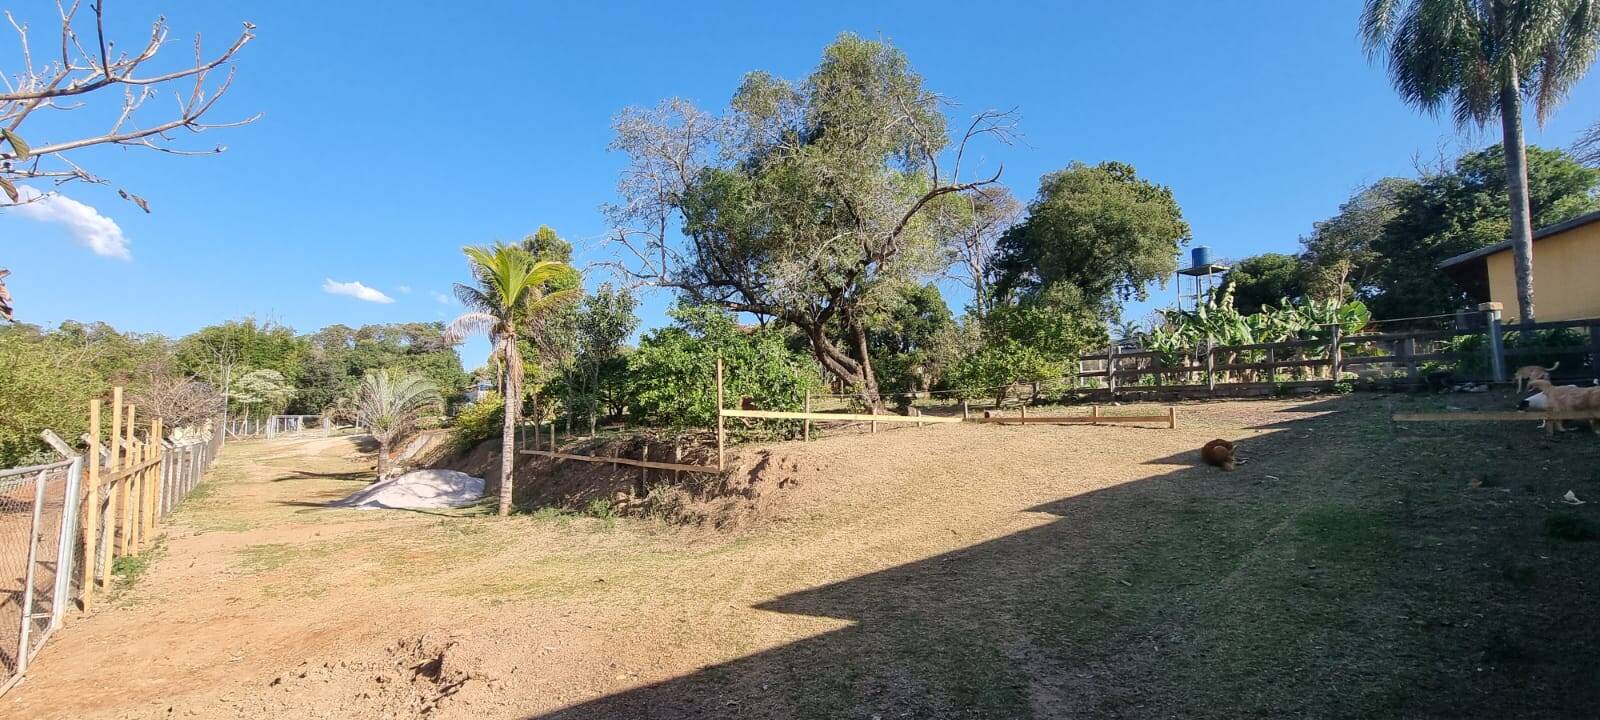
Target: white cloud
pixel 404 289
pixel 85 224
pixel 442 298
pixel 354 289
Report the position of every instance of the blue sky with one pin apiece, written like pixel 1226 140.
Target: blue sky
pixel 395 132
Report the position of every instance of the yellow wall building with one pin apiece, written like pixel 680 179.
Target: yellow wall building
pixel 1566 272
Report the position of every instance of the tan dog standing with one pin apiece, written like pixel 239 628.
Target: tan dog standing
pixel 1528 373
pixel 1569 398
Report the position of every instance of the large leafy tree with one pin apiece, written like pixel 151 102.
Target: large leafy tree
pixel 1482 58
pixel 803 202
pixel 1100 229
pixel 508 297
pixel 1451 212
pixel 1266 279
pixel 1339 255
pixel 912 335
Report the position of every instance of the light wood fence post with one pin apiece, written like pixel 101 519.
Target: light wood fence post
pixel 722 461
pixel 157 483
pixel 91 506
pixel 806 425
pixel 125 533
pixel 1172 418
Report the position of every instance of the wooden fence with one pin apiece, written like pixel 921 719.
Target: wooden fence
pixel 107 504
pixel 1169 417
pixel 1320 362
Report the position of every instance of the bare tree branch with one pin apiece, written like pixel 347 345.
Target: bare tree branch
pixel 80 72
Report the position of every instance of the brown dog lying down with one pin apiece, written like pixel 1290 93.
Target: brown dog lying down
pixel 1568 398
pixel 1218 453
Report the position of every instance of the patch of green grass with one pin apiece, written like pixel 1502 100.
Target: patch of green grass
pixel 598 508
pixel 129 568
pixel 1569 525
pixel 1337 533
pixel 266 558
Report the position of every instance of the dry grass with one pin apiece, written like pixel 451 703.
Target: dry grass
pixel 1346 570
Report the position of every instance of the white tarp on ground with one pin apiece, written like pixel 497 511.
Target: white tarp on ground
pixel 418 489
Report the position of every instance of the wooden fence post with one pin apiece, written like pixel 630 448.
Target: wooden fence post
pixel 1094 412
pixel 91 506
pixel 1211 366
pixel 1272 365
pixel 1024 413
pixel 644 472
pixel 125 493
pixel 874 422
pixel 1335 354
pixel 1172 417
pixel 1111 371
pixel 722 462
pixel 115 491
pixel 1408 351
pixel 153 484
pixel 964 411
pixel 806 426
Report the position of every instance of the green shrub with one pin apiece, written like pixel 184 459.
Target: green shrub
pixel 993 368
pixel 478 422
pixel 1474 360
pixel 1568 525
pixel 672 376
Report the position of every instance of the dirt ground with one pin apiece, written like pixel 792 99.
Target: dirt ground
pixel 1350 568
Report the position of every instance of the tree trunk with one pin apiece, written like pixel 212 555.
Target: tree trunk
pixel 1517 189
pixel 383 459
pixel 844 367
pixel 508 434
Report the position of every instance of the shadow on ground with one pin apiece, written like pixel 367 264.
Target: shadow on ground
pixel 1344 572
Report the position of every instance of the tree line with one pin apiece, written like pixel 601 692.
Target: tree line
pixel 1385 243
pixel 47 376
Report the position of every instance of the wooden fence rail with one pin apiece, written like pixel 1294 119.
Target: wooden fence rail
pixel 119 489
pixel 1222 365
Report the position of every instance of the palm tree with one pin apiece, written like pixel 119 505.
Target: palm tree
pixel 1482 57
pixel 388 403
pixel 513 292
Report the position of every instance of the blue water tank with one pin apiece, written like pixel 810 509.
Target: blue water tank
pixel 1200 256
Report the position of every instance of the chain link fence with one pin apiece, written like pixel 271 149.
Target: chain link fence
pixel 38 513
pixel 63 525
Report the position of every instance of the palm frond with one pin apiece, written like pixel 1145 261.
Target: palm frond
pixel 388 402
pixel 469 324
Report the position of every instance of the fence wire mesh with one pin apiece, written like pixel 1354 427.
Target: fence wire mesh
pixel 46 551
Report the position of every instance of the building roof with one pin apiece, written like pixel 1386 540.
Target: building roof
pixel 1504 245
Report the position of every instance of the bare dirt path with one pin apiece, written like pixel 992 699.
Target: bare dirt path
pixel 952 571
